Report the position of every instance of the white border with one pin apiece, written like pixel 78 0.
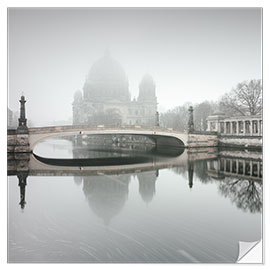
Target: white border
pixel 4 4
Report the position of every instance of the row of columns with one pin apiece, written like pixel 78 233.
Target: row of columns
pixel 242 127
pixel 241 167
pixel 237 167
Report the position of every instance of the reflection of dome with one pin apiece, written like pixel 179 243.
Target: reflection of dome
pixel 147 185
pixel 78 180
pixel 147 89
pixel 106 196
pixel 106 81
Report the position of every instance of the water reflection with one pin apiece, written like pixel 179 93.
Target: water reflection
pixel 22 176
pixel 147 185
pixel 239 178
pixel 106 195
pixel 245 194
pixel 190 173
pixel 135 212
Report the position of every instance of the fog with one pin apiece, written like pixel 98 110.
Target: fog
pixel 192 54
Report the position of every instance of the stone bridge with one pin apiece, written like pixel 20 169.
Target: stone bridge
pixel 158 136
pixel 26 142
pixel 24 139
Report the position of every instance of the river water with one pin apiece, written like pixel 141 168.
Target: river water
pixel 170 208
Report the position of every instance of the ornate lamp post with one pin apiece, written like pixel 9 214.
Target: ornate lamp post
pixel 190 120
pixel 22 128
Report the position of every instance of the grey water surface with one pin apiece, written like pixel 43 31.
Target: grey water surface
pixel 183 209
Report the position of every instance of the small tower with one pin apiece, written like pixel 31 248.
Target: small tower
pixel 157 119
pixel 190 119
pixel 147 100
pixel 22 128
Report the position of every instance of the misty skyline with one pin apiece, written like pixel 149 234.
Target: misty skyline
pixel 193 54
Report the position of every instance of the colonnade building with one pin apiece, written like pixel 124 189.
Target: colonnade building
pixel 248 125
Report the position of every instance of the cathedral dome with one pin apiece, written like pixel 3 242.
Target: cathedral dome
pixel 106 81
pixel 147 89
pixel 78 96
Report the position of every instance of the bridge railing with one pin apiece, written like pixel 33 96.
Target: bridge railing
pixel 48 129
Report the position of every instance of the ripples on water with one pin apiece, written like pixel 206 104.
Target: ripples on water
pixel 169 209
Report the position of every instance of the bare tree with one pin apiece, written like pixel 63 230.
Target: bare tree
pixel 246 194
pixel 177 118
pixel 245 99
pixel 201 112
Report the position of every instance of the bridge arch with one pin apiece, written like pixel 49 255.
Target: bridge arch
pixel 161 138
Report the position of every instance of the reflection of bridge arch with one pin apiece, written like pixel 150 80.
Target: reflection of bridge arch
pixel 160 137
pixel 37 167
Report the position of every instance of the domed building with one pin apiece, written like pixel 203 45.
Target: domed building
pixel 106 99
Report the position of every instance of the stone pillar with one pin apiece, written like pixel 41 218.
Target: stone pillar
pixel 22 128
pixel 22 138
pixel 244 127
pixel 208 125
pixel 260 128
pixel 190 119
pixel 251 168
pixel 251 127
pixel 157 119
pixel 217 126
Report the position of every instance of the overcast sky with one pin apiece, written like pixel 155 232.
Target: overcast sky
pixel 192 54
